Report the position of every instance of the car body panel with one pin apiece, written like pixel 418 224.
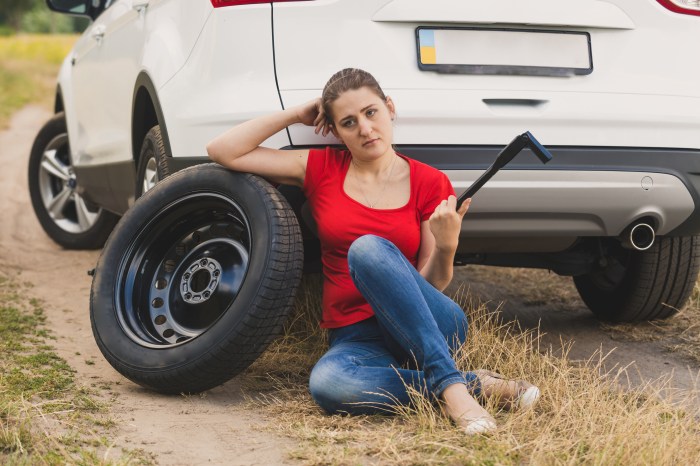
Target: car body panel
pixel 212 68
pixel 638 81
pixel 222 85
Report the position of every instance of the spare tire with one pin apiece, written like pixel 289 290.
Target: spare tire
pixel 196 279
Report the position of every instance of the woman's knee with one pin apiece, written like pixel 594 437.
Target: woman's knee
pixel 372 254
pixel 331 387
pixel 364 250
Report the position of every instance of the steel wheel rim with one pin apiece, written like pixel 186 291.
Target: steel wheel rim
pixel 166 261
pixel 57 187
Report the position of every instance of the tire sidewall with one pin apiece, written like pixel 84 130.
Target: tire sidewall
pixel 152 147
pixel 111 338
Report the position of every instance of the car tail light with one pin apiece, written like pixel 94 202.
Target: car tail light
pixel 220 3
pixel 686 7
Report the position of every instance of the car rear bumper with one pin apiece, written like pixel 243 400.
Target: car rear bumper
pixel 583 191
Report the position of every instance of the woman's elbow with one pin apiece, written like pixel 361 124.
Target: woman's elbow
pixel 213 151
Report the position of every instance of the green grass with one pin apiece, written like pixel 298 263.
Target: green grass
pixel 28 68
pixel 45 416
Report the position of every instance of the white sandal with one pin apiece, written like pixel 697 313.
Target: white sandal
pixel 528 394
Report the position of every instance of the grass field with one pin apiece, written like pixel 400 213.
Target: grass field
pixel 28 68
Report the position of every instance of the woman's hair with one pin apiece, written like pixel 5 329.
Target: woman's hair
pixel 346 80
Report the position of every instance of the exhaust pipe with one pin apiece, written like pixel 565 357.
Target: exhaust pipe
pixel 640 237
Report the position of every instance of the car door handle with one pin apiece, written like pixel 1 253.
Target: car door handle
pixel 514 102
pixel 98 32
pixel 139 5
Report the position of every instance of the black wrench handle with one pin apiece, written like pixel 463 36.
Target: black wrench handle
pixel 504 157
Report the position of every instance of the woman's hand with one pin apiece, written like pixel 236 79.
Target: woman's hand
pixel 311 114
pixel 446 223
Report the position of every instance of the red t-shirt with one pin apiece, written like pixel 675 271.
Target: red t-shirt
pixel 341 220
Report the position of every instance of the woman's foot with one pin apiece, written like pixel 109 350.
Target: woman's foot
pixel 465 411
pixel 509 394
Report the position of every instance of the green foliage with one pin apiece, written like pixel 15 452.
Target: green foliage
pixel 42 21
pixel 11 11
pixel 33 16
pixel 15 92
pixel 28 68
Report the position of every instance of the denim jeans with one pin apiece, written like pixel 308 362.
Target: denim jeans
pixel 414 324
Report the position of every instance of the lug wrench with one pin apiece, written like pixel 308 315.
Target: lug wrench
pixel 504 157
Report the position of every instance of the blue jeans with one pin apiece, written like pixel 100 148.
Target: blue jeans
pixel 414 324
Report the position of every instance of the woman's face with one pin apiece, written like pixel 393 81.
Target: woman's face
pixel 363 122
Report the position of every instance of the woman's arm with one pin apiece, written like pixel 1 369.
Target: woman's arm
pixel 239 148
pixel 439 239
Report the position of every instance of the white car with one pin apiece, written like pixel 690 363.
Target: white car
pixel 609 86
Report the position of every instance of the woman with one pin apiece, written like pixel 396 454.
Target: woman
pixel 389 228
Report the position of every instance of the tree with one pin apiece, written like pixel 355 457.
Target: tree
pixel 11 11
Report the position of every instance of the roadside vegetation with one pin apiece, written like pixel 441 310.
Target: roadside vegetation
pixel 28 68
pixel 45 417
pixel 679 334
pixel 584 417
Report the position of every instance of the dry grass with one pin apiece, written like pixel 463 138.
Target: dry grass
pixel 28 68
pixel 679 334
pixel 582 418
pixel 540 288
pixel 45 417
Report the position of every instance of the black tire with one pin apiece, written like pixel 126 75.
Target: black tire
pixel 62 212
pixel 152 162
pixel 143 320
pixel 643 285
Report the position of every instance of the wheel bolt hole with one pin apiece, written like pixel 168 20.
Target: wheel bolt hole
pixel 188 296
pixel 168 333
pixel 206 294
pixel 161 283
pixel 169 265
pixel 160 320
pixel 158 302
pixel 200 280
pixel 187 276
pixel 216 273
pixel 203 262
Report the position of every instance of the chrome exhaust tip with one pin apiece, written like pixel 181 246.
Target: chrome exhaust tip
pixel 640 237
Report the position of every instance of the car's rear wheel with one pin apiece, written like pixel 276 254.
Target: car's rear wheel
pixel 152 163
pixel 642 285
pixel 197 279
pixel 53 187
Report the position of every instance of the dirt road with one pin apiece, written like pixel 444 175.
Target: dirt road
pixel 211 428
pixel 214 428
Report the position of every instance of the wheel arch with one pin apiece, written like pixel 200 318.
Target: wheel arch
pixel 146 112
pixel 58 105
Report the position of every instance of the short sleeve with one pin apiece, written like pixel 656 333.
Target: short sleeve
pixel 315 166
pixel 435 187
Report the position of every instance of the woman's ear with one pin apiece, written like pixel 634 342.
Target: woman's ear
pixel 334 131
pixel 391 107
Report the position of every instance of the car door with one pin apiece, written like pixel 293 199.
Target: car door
pixel 105 64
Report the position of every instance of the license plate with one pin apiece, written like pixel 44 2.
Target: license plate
pixel 504 51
